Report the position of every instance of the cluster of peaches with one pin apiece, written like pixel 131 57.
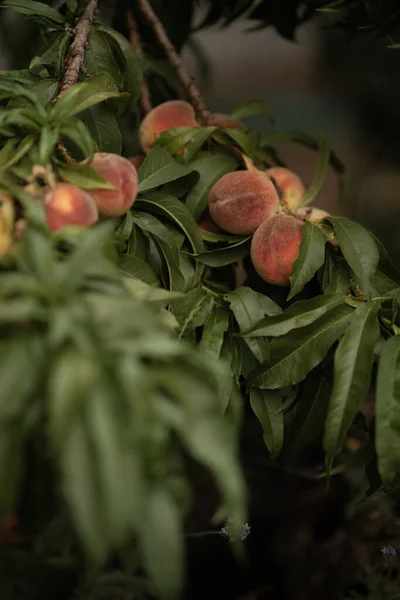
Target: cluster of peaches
pixel 245 202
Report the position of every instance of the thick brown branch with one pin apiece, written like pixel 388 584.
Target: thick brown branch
pixel 76 52
pixel 186 81
pixel 134 38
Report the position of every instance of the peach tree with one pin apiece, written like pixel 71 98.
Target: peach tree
pixel 164 278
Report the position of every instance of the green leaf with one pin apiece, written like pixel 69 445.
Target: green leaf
pixel 302 138
pixel 241 138
pixel 174 139
pixel 353 368
pixel 299 314
pixel 136 267
pixel 83 176
pixel 320 173
pixel 82 96
pixel 266 405
pixel 213 333
pixel 296 354
pixel 310 413
pixel 336 278
pixel 387 407
pixel 161 539
pixel 249 307
pixel 193 310
pixel 76 131
pixel 158 168
pixel 45 89
pixel 358 248
pixel 104 129
pixel 311 257
pixel 148 293
pixel 253 108
pixel 12 447
pixel 211 168
pixel 225 256
pixel 197 140
pixel 133 75
pixel 35 10
pixel 47 144
pixel 99 57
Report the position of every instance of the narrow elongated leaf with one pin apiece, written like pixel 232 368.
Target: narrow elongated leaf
pixel 358 248
pixel 36 10
pixel 310 412
pixel 336 278
pixel 248 310
pixel 76 131
pixel 299 314
pixel 211 168
pixel 353 368
pixel 311 257
pixel 193 310
pixel 136 267
pixel 99 57
pixel 253 108
pixel 162 542
pixel 213 333
pixel 104 129
pixel 225 256
pixel 296 354
pixel 196 142
pixel 387 407
pixel 320 173
pixel 266 405
pixel 84 176
pixel 158 168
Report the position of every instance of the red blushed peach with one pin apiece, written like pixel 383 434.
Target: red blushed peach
pixel 65 204
pixel 174 113
pixel 291 188
pixel 224 122
pixel 240 201
pixel 123 175
pixel 207 224
pixel 136 161
pixel 275 247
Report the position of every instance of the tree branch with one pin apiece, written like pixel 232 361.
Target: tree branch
pixel 134 38
pixel 186 81
pixel 76 52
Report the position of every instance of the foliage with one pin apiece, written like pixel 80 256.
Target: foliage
pixel 128 350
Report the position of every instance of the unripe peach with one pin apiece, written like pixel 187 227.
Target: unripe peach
pixel 136 161
pixel 290 186
pixel 207 224
pixel 312 214
pixel 174 113
pixel 240 201
pixel 65 204
pixel 275 247
pixel 123 175
pixel 224 122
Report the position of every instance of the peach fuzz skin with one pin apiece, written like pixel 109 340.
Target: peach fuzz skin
pixel 240 201
pixel 122 174
pixel 290 186
pixel 66 205
pixel 174 113
pixel 275 247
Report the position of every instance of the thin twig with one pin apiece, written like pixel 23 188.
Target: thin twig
pixel 76 51
pixel 186 81
pixel 134 38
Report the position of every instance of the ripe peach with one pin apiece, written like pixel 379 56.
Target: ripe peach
pixel 224 122
pixel 240 201
pixel 123 175
pixel 174 113
pixel 137 161
pixel 290 186
pixel 275 247
pixel 207 224
pixel 65 204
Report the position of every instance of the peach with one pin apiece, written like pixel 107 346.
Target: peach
pixel 207 224
pixel 174 113
pixel 240 201
pixel 65 204
pixel 275 247
pixel 312 214
pixel 290 187
pixel 137 161
pixel 224 122
pixel 123 175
